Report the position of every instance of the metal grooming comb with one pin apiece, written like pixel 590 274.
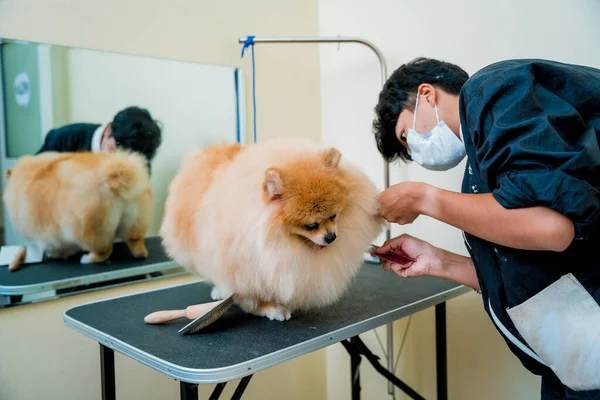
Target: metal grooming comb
pixel 208 317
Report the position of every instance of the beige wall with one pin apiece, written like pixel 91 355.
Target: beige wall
pixel 201 31
pixel 39 357
pixel 472 34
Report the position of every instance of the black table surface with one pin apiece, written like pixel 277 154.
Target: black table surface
pixel 240 344
pixel 54 274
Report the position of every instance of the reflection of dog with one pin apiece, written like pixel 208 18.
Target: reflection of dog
pixel 282 225
pixel 68 202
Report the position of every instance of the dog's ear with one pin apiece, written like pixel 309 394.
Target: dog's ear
pixel 273 185
pixel 332 157
pixel 8 173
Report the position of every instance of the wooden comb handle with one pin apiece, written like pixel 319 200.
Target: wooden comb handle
pixel 19 258
pixel 191 312
pixel 160 317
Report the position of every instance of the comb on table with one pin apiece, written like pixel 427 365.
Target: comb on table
pixel 203 315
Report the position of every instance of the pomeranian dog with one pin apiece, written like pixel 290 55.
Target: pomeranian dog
pixel 281 225
pixel 72 202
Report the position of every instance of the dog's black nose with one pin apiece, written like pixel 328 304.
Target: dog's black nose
pixel 330 237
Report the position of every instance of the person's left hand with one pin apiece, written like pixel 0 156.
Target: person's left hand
pixel 403 203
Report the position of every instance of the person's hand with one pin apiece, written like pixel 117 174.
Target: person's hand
pixel 404 202
pixel 427 257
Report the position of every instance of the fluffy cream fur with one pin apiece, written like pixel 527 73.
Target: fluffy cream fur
pixel 236 216
pixel 68 202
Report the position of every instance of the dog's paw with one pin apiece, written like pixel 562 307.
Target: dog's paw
pixel 217 294
pixel 141 254
pixel 138 248
pixel 96 257
pixel 278 313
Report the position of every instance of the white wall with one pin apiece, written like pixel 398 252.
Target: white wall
pixel 471 34
pixel 195 103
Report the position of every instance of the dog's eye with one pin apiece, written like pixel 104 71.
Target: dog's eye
pixel 333 217
pixel 311 227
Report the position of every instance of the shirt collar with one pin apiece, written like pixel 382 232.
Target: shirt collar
pixel 97 138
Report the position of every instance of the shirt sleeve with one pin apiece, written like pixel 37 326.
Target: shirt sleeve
pixel 533 148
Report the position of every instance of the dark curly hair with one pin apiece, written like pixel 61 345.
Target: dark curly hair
pixel 134 129
pixel 398 94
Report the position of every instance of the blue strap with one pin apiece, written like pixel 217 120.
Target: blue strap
pixel 249 42
pixel 236 77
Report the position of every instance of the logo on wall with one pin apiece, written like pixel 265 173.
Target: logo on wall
pixel 22 89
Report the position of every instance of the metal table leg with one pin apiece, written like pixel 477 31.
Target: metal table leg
pixel 217 391
pixel 355 359
pixel 107 373
pixel 188 391
pixel 374 360
pixel 441 351
pixel 9 300
pixel 239 391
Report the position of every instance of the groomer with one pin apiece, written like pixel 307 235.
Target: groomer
pixel 131 128
pixel 529 207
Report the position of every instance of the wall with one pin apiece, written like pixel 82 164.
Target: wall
pixel 472 34
pixel 50 361
pixel 59 75
pixel 200 31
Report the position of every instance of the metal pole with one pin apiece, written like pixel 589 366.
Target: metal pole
pixel 107 373
pixel 441 360
pixel 337 39
pixel 241 388
pixel 324 39
pixel 386 167
pixel 188 391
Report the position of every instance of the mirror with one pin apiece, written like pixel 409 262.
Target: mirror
pixel 44 87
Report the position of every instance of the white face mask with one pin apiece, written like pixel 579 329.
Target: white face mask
pixel 439 150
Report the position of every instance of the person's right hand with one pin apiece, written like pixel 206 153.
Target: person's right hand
pixel 427 257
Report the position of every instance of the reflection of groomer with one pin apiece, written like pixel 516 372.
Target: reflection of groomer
pixel 132 128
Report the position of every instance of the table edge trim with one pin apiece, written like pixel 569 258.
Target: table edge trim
pixel 93 278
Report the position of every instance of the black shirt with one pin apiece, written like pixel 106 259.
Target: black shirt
pixel 531 130
pixel 70 138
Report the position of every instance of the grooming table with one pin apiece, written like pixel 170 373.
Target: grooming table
pixel 67 277
pixel 239 345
